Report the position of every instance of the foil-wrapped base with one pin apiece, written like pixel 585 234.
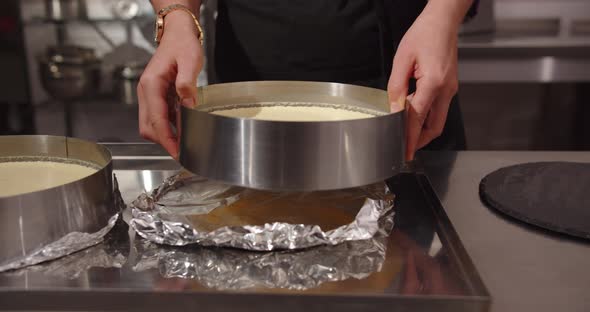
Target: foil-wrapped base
pixel 111 253
pixel 234 269
pixel 161 217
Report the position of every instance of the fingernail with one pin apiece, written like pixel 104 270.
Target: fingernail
pixel 188 102
pixel 401 101
pixel 398 105
pixel 392 107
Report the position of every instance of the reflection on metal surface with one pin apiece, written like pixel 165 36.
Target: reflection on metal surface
pixel 435 247
pixel 232 269
pixel 164 216
pixel 276 155
pixel 148 184
pixel 547 68
pixel 111 253
pixel 70 243
pixel 409 278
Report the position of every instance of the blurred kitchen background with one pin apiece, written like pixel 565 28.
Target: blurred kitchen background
pixel 524 70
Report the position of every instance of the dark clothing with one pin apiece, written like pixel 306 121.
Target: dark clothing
pixel 347 41
pixel 297 40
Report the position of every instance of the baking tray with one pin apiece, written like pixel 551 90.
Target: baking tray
pixel 32 221
pixel 294 156
pixel 422 228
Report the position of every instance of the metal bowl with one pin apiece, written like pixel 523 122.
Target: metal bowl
pixel 31 221
pixel 300 156
pixel 69 72
pixel 126 78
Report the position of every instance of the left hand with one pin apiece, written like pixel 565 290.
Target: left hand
pixel 422 273
pixel 427 52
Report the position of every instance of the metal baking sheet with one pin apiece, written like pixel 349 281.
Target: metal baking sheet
pixel 428 269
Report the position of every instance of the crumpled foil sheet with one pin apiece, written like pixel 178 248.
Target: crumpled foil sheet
pixel 160 218
pixel 111 253
pixel 234 269
pixel 68 244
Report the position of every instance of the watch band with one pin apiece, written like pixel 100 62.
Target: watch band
pixel 159 31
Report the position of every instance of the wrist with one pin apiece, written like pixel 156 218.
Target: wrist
pixel 193 5
pixel 177 17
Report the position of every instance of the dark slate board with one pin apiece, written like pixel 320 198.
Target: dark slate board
pixel 551 195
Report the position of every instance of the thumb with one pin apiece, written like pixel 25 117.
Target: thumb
pixel 186 80
pixel 397 88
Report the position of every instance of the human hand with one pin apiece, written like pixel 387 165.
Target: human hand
pixel 172 69
pixel 423 274
pixel 428 53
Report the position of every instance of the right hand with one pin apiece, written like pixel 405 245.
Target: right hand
pixel 173 68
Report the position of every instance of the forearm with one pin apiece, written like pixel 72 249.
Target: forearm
pixel 193 5
pixel 455 10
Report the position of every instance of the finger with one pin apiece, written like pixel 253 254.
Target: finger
pixel 411 281
pixel 154 91
pixel 172 100
pixel 161 127
pixel 435 122
pixel 430 273
pixel 188 68
pixel 401 72
pixel 144 126
pixel 426 92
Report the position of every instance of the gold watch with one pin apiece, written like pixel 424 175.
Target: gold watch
pixel 159 26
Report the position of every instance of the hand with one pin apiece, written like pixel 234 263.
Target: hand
pixel 423 274
pixel 427 52
pixel 173 69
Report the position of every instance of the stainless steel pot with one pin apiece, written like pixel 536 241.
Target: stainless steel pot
pixel 126 77
pixel 69 72
pixel 62 10
pixel 298 155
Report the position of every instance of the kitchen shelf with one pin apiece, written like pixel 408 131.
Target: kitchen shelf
pixel 38 20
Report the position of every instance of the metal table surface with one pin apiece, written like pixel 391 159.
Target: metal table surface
pixel 525 269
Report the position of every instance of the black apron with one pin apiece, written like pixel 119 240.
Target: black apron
pixel 347 41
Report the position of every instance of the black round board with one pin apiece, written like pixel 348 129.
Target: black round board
pixel 551 195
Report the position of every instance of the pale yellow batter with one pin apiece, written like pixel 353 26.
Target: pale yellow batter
pixel 293 113
pixel 19 177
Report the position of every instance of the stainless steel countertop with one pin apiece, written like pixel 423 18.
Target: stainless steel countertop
pixel 523 268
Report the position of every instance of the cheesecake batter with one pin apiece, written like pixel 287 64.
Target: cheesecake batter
pixel 293 113
pixel 20 177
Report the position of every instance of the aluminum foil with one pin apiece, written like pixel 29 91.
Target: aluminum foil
pixel 162 217
pixel 234 269
pixel 68 244
pixel 111 253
